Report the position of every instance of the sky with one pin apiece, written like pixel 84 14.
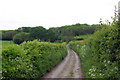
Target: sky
pixel 53 13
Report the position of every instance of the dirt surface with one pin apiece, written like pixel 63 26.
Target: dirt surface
pixel 70 67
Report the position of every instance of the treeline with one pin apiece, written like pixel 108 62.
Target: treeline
pixel 58 34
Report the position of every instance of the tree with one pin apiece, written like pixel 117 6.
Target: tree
pixel 24 29
pixel 50 35
pixel 38 33
pixel 21 37
pixel 68 36
pixel 8 35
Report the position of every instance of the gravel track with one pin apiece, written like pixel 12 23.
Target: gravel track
pixel 70 67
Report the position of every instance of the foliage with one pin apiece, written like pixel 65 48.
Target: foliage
pixel 24 29
pixel 31 59
pixel 76 30
pixel 100 53
pixel 38 33
pixel 8 35
pixel 81 37
pixel 50 35
pixel 68 36
pixel 21 37
pixel 58 34
pixel 0 59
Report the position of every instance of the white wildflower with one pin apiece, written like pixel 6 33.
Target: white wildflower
pixel 104 61
pixel 90 69
pixel 77 45
pixel 108 62
pixel 116 68
pixel 92 74
pixel 94 69
pixel 89 73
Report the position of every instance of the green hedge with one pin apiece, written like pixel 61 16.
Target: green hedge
pixel 100 53
pixel 31 59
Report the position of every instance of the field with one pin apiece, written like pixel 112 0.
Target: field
pixel 6 43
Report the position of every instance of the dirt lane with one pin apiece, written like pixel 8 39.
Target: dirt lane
pixel 70 67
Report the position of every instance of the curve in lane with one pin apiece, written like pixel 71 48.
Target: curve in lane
pixel 70 67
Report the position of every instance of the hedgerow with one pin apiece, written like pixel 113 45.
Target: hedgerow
pixel 100 53
pixel 31 59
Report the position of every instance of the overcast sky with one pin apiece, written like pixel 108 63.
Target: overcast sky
pixel 53 13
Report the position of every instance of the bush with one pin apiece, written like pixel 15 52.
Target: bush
pixel 100 54
pixel 14 62
pixel 20 37
pixel 31 59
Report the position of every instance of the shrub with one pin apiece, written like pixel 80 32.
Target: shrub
pixel 31 59
pixel 21 37
pixel 100 54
